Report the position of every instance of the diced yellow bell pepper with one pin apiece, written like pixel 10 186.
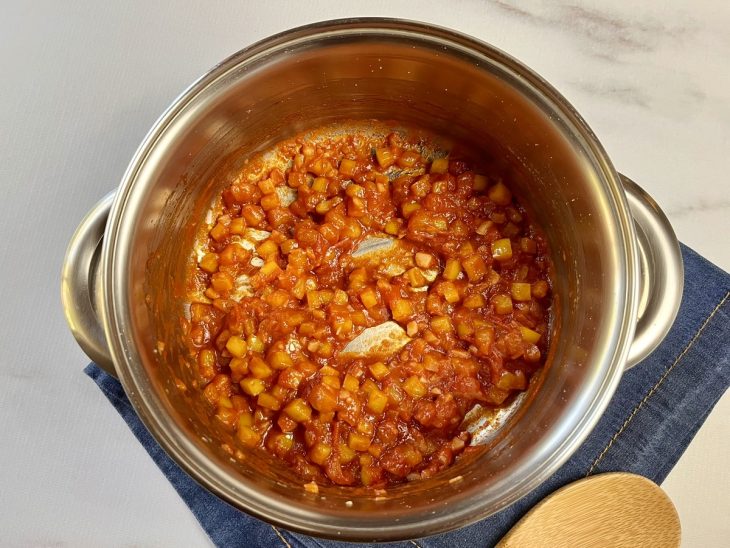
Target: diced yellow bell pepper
pixel 377 401
pixel 500 194
pixel 259 368
pixel 252 386
pixel 475 267
pixel 248 436
pixel 402 309
pixel 502 249
pixel 209 262
pixel 320 184
pixel 520 291
pixel 236 346
pixel 480 183
pixel 379 371
pixel 358 442
pixel 440 165
pixel 280 360
pixel 450 292
pixel 409 208
pixel 529 336
pixel 502 303
pixel 320 452
pixel 441 324
pixel 385 157
pixel 347 167
pixel 392 227
pixel 299 410
pixel 452 269
pixel 369 297
pixel 351 383
pixel 268 401
pixel 414 387
pixel 474 301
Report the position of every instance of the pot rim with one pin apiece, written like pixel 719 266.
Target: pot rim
pixel 116 318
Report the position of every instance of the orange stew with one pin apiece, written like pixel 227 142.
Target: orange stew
pixel 458 275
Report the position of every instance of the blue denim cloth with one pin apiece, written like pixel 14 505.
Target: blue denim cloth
pixel 656 411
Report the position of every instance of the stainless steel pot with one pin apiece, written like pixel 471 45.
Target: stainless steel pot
pixel 617 263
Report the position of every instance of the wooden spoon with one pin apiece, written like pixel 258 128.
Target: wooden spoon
pixel 617 509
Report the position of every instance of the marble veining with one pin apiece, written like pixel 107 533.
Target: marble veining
pixel 699 206
pixel 596 25
pixel 621 92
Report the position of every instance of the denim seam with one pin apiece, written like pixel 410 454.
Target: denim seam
pixel 654 388
pixel 278 534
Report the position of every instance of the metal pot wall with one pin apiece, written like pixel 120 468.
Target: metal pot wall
pixel 618 271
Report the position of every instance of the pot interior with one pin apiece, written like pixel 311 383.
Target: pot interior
pixel 454 87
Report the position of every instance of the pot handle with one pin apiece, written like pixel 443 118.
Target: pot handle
pixel 661 269
pixel 81 292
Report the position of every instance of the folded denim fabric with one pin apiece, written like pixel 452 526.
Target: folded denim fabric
pixel 656 411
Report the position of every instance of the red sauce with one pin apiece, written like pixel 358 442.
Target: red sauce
pixel 468 284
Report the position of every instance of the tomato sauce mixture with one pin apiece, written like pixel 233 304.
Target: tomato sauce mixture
pixel 357 232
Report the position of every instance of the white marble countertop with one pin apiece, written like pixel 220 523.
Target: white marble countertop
pixel 83 81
